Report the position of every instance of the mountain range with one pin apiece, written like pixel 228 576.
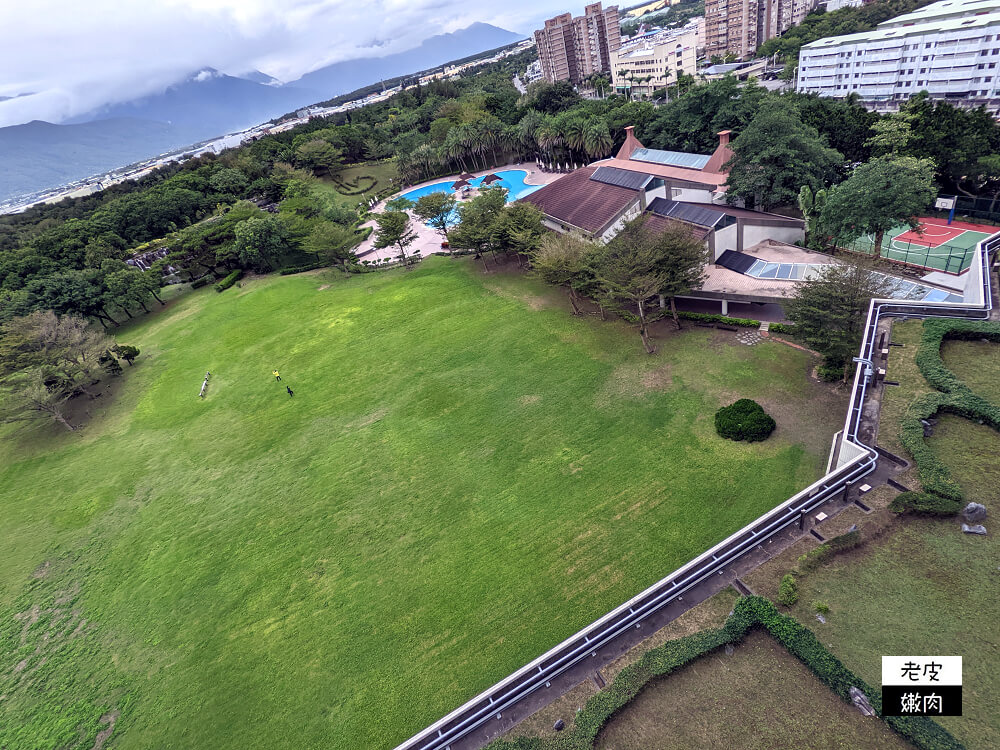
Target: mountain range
pixel 40 155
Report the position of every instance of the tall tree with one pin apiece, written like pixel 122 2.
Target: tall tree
pixel 259 241
pixel 682 263
pixel 437 210
pixel 629 271
pixel 476 222
pixel 394 231
pixel 882 194
pixel 31 395
pixel 829 310
pixel 562 260
pixel 776 155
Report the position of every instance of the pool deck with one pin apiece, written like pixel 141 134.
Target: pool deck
pixel 429 240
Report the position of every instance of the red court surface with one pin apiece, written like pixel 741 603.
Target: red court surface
pixel 935 232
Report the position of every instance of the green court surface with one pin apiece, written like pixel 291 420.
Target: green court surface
pixel 935 246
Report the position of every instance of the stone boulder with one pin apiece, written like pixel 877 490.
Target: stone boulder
pixel 977 529
pixel 974 512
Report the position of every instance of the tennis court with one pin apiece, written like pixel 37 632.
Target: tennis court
pixel 935 244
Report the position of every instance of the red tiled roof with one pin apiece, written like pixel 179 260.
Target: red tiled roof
pixel 582 202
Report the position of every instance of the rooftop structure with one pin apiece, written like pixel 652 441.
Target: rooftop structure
pixel 951 49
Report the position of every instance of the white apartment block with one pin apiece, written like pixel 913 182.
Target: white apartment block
pixel 654 60
pixel 950 49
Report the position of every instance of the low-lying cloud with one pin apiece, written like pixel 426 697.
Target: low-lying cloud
pixel 62 58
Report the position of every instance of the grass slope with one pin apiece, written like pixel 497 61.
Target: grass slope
pixel 759 698
pixel 465 475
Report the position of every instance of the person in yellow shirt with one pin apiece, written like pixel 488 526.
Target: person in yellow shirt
pixel 276 375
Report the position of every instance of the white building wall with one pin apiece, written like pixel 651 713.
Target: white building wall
pixel 955 59
pixel 754 234
pixel 725 239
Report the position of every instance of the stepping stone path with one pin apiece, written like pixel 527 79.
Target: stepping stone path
pixel 750 338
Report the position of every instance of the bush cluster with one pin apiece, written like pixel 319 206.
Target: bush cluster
pixel 203 281
pixel 786 328
pixel 788 590
pixel 229 280
pixel 924 504
pixel 709 318
pixel 744 420
pixel 749 612
pixel 830 374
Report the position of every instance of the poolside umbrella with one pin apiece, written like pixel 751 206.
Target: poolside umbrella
pixel 466 176
pixel 460 184
pixel 490 179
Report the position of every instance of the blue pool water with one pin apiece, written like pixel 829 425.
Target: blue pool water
pixel 512 179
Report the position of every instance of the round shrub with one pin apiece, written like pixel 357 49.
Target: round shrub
pixel 744 420
pixel 788 590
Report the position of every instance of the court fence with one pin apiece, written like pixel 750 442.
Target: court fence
pixel 948 258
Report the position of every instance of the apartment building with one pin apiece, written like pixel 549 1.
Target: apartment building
pixel 741 26
pixel 656 59
pixel 574 48
pixel 951 49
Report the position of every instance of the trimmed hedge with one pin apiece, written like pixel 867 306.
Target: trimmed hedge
pixel 229 280
pixel 203 281
pixel 924 504
pixel 749 612
pixel 823 552
pixel 953 396
pixel 709 318
pixel 786 328
pixel 744 420
pixel 300 269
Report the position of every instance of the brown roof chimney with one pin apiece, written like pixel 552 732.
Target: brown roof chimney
pixel 630 145
pixel 721 155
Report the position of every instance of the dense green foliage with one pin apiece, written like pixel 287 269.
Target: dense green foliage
pixel 749 613
pixel 744 419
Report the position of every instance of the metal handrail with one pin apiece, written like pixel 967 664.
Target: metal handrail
pixel 540 672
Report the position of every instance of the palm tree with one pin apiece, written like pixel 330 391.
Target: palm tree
pixel 548 137
pixel 625 76
pixel 575 133
pixel 597 141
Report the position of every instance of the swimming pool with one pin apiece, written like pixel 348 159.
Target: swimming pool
pixel 512 179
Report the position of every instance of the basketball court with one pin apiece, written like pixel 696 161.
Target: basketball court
pixel 934 244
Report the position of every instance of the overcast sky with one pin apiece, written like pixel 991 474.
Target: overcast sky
pixel 73 56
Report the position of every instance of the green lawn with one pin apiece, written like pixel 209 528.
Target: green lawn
pixel 759 698
pixel 926 588
pixel 466 475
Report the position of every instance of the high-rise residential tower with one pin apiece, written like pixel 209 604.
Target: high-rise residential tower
pixel 574 48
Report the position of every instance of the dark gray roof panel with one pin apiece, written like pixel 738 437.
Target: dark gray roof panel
pixel 690 212
pixel 621 178
pixel 734 261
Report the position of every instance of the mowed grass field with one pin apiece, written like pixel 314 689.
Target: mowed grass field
pixel 465 475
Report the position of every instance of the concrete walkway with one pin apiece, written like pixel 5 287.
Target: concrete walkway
pixel 429 240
